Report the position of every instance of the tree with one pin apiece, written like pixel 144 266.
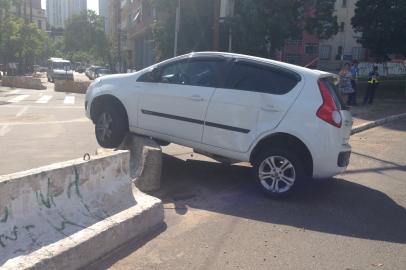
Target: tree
pixel 20 41
pixel 195 26
pixel 259 27
pixel 84 37
pixel 382 25
pixel 323 23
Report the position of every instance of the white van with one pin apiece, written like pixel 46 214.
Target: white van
pixel 59 69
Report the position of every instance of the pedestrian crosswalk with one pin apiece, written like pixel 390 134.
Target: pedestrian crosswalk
pixel 44 99
pixel 16 97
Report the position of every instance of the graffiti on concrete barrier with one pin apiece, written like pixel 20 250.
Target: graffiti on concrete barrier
pixel 12 237
pixel 5 215
pixel 47 200
pixel 74 184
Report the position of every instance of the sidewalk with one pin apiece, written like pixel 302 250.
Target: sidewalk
pixel 381 108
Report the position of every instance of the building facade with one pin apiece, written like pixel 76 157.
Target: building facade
pixel 59 11
pixel 130 30
pixel 31 11
pixel 344 46
pixel 104 12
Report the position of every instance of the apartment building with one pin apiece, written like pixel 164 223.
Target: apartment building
pixel 59 11
pixel 344 46
pixel 104 12
pixel 31 11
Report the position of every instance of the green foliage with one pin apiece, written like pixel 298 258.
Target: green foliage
pixel 20 41
pixel 85 39
pixel 259 27
pixel 382 25
pixel 323 23
pixel 195 33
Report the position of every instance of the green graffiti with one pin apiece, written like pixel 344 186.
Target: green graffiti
pixel 75 184
pixel 12 237
pixel 47 200
pixel 64 224
pixel 5 216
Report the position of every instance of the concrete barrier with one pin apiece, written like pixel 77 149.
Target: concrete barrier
pixel 67 215
pixel 71 86
pixel 145 162
pixel 23 82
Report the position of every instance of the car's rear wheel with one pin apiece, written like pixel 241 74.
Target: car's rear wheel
pixel 279 172
pixel 111 127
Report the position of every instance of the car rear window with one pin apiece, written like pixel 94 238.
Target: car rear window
pixel 331 84
pixel 261 78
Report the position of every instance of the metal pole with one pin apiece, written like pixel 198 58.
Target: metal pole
pixel 177 24
pixel 216 24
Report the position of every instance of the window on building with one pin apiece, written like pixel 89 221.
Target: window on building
pixel 344 3
pixel 342 27
pixel 357 53
pixel 39 23
pixel 294 42
pixel 311 48
pixel 325 52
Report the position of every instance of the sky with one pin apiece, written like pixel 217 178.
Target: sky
pixel 91 4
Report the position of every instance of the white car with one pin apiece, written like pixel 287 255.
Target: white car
pixel 287 121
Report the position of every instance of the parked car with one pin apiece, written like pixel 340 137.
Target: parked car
pixel 288 121
pixel 59 69
pixel 100 72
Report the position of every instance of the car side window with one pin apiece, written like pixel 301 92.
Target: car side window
pixel 196 72
pixel 261 78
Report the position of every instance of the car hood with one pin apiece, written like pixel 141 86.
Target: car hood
pixel 113 77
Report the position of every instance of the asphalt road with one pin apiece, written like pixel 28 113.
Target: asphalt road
pixel 39 127
pixel 215 216
pixel 216 219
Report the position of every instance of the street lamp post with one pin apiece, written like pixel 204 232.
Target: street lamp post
pixel 177 25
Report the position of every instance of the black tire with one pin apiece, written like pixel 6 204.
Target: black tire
pixel 117 127
pixel 277 177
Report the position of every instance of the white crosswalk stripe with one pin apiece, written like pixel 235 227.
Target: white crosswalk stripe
pixel 44 99
pixel 18 98
pixel 69 99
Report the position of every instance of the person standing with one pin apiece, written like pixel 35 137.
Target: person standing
pixel 373 83
pixel 344 85
pixel 352 98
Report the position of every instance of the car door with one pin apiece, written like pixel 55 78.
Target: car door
pixel 176 104
pixel 253 100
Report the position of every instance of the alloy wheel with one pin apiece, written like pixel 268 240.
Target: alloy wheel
pixel 277 174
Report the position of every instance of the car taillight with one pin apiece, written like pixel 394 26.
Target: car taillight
pixel 328 111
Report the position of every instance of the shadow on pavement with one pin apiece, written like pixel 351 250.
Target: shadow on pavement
pixel 125 250
pixel 336 206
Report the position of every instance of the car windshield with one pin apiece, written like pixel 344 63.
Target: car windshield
pixel 61 65
pixel 104 71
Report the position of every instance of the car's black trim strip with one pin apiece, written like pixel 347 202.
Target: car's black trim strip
pixel 195 121
pixel 175 117
pixel 237 129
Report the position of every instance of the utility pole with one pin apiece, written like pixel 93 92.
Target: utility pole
pixel 25 11
pixel 31 11
pixel 216 24
pixel 177 26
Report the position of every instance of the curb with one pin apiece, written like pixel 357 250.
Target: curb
pixel 376 123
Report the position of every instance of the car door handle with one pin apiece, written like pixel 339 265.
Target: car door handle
pixel 270 108
pixel 196 98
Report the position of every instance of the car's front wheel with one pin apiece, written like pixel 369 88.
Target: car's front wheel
pixel 279 172
pixel 110 127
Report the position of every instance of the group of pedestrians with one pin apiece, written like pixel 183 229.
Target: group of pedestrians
pixel 348 83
